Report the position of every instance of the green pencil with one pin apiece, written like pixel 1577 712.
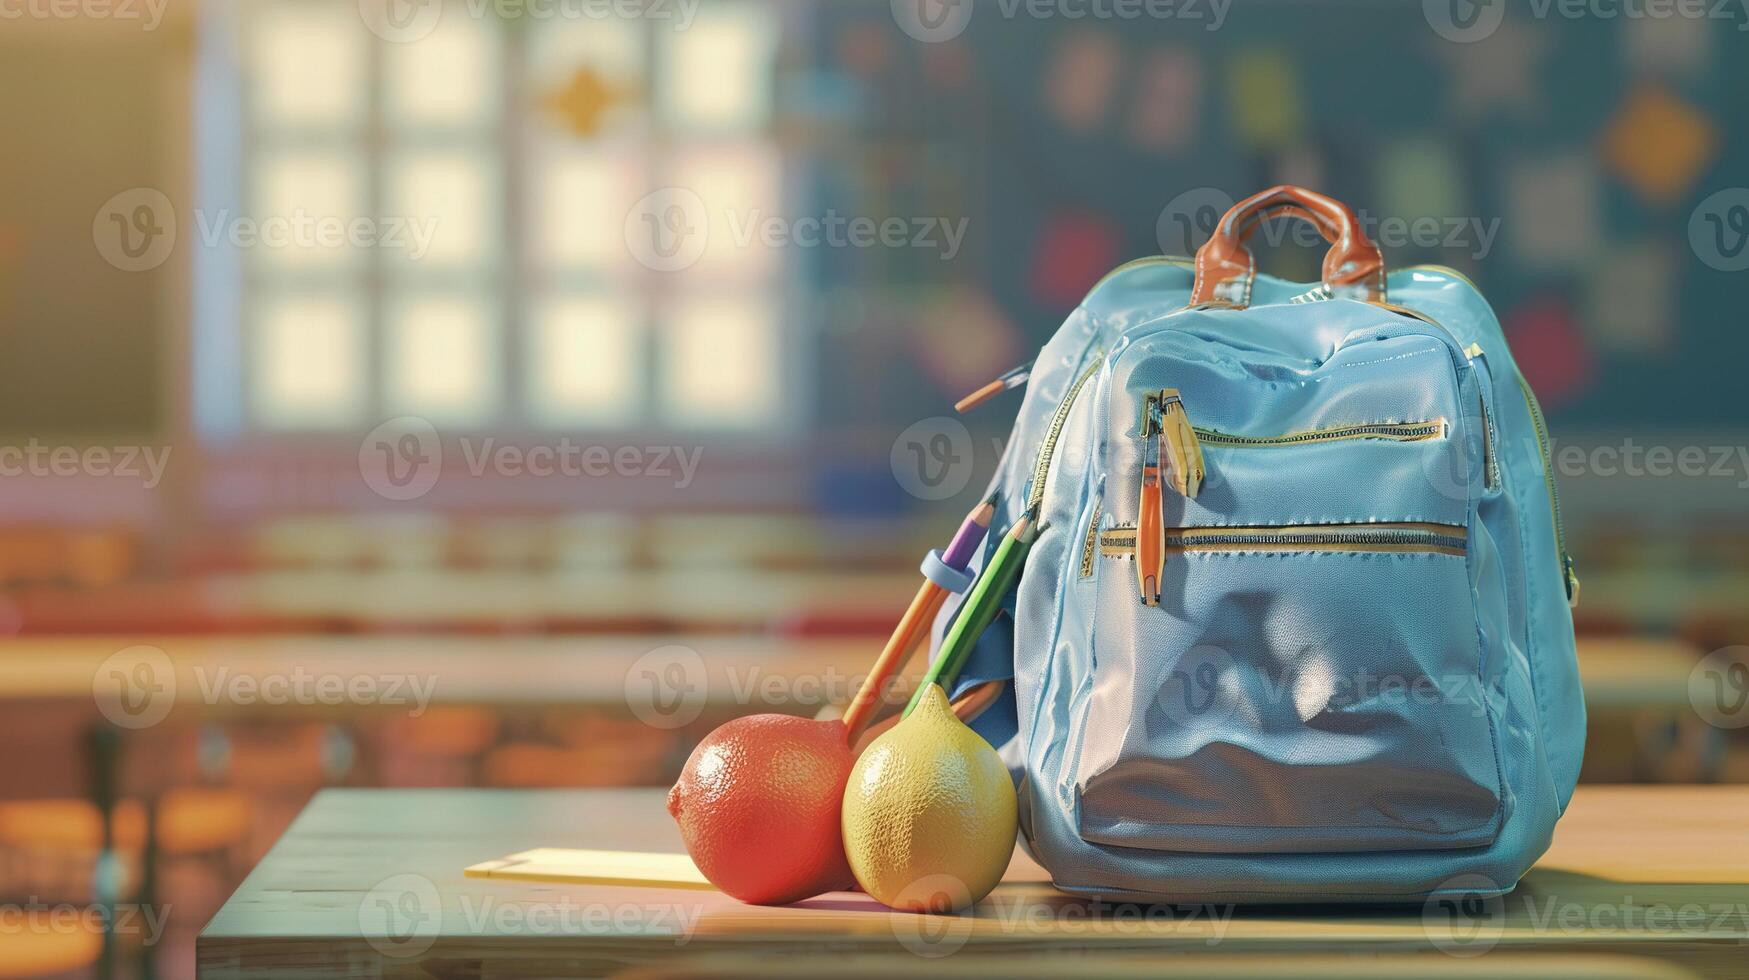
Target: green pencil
pixel 980 608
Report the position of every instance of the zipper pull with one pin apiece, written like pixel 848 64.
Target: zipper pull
pixel 1150 536
pixel 1178 444
pixel 1012 378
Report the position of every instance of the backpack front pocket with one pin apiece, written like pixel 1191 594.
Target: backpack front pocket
pixel 1296 688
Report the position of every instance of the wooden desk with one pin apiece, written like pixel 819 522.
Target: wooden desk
pixel 590 670
pixel 698 598
pixel 1626 672
pixel 1658 872
pixel 569 671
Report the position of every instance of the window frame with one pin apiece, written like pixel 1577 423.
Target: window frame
pixel 226 410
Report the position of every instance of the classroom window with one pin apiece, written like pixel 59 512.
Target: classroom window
pixel 468 197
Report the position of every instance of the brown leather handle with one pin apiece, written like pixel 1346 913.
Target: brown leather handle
pixel 1225 269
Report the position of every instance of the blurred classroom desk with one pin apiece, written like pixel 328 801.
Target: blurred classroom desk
pixel 563 671
pixel 370 882
pixel 1626 672
pixel 592 670
pixel 340 600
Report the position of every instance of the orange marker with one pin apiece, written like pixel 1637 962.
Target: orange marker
pixel 914 625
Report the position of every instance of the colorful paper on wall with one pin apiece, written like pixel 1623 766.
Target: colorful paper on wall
pixel 1659 144
pixel 1264 98
pixel 1073 250
pixel 1082 79
pixel 1168 100
pixel 1551 350
pixel 1553 218
pixel 864 49
pixel 1498 73
pixel 1301 165
pixel 1632 304
pixel 1419 178
pixel 584 102
pixel 963 339
pixel 1671 46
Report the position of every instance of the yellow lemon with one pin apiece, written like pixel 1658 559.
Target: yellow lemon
pixel 929 813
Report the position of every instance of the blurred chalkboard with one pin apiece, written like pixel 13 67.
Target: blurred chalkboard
pixel 1037 117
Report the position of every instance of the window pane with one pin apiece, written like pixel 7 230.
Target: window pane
pixel 583 362
pixel 308 361
pixel 440 359
pixel 717 74
pixel 720 362
pixel 309 64
pixel 578 207
pixel 448 78
pixel 740 187
pixel 577 63
pixel 304 205
pixel 447 203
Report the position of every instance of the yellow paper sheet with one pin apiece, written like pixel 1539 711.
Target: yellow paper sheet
pixel 595 867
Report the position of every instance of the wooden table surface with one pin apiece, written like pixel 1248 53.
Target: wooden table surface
pixel 369 882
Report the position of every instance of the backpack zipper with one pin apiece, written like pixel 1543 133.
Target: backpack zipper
pixel 1569 577
pixel 1397 431
pixel 1090 544
pixel 1409 537
pixel 1048 447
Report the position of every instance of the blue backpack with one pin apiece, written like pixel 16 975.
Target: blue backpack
pixel 1295 624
